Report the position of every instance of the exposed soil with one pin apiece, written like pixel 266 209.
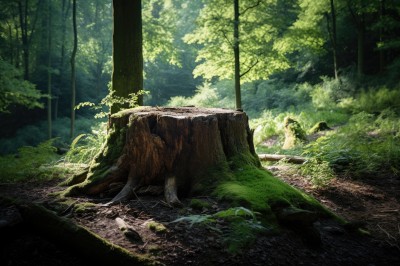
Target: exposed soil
pixel 373 205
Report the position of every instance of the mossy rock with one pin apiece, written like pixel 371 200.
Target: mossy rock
pixel 294 133
pixel 320 126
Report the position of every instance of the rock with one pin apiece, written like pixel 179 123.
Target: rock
pixel 320 126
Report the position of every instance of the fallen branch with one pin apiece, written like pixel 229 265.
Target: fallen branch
pixel 278 157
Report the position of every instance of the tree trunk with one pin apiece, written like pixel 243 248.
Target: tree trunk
pixel 49 92
pixel 237 55
pixel 334 39
pixel 176 148
pixel 23 19
pixel 73 55
pixel 127 76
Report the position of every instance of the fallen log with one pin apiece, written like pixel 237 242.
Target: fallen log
pixel 278 157
pixel 64 232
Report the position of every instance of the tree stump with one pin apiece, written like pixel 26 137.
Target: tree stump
pixel 294 134
pixel 173 147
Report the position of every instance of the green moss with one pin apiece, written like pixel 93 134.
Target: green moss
pixel 198 204
pixel 83 207
pixel 258 190
pixel 156 227
pixel 294 134
pixel 319 126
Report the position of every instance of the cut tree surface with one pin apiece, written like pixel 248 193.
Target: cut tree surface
pixel 173 147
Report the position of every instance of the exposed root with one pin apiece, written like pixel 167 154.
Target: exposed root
pixel 127 191
pixel 170 190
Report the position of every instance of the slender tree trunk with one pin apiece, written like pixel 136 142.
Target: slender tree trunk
pixel 382 63
pixel 236 54
pixel 17 53
pixel 65 7
pixel 334 39
pixel 23 19
pixel 49 91
pixel 127 76
pixel 73 55
pixel 360 48
pixel 11 46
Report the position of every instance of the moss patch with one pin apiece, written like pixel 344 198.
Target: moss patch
pixel 156 227
pixel 198 204
pixel 258 190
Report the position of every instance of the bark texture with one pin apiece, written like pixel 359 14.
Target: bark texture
pixel 173 147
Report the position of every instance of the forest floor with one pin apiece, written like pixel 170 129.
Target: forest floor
pixel 373 204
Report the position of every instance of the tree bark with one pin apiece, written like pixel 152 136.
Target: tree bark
pixel 73 55
pixel 127 76
pixel 49 92
pixel 237 54
pixel 176 148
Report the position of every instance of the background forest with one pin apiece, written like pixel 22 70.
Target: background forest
pixel 334 60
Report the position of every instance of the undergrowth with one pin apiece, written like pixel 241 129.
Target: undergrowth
pixel 30 163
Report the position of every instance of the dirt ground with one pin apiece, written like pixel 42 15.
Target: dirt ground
pixel 372 204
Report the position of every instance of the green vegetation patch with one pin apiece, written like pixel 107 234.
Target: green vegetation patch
pixel 30 163
pixel 258 190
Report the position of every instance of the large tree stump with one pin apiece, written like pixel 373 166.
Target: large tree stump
pixel 173 147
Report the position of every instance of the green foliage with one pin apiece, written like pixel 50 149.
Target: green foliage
pixel 259 29
pixel 30 163
pixel 206 96
pixel 103 108
pixel 85 146
pixel 15 90
pixel 271 123
pixel 367 145
pixel 32 135
pixel 242 226
pixel 374 100
pixel 318 172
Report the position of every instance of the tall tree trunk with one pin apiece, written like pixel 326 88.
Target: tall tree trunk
pixel 17 52
pixel 65 7
pixel 382 63
pixel 11 46
pixel 236 54
pixel 73 55
pixel 127 76
pixel 360 48
pixel 23 20
pixel 49 91
pixel 359 20
pixel 334 39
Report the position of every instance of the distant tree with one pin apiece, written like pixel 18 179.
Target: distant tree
pixel 73 81
pixel 49 70
pixel 260 29
pixel 127 76
pixel 27 20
